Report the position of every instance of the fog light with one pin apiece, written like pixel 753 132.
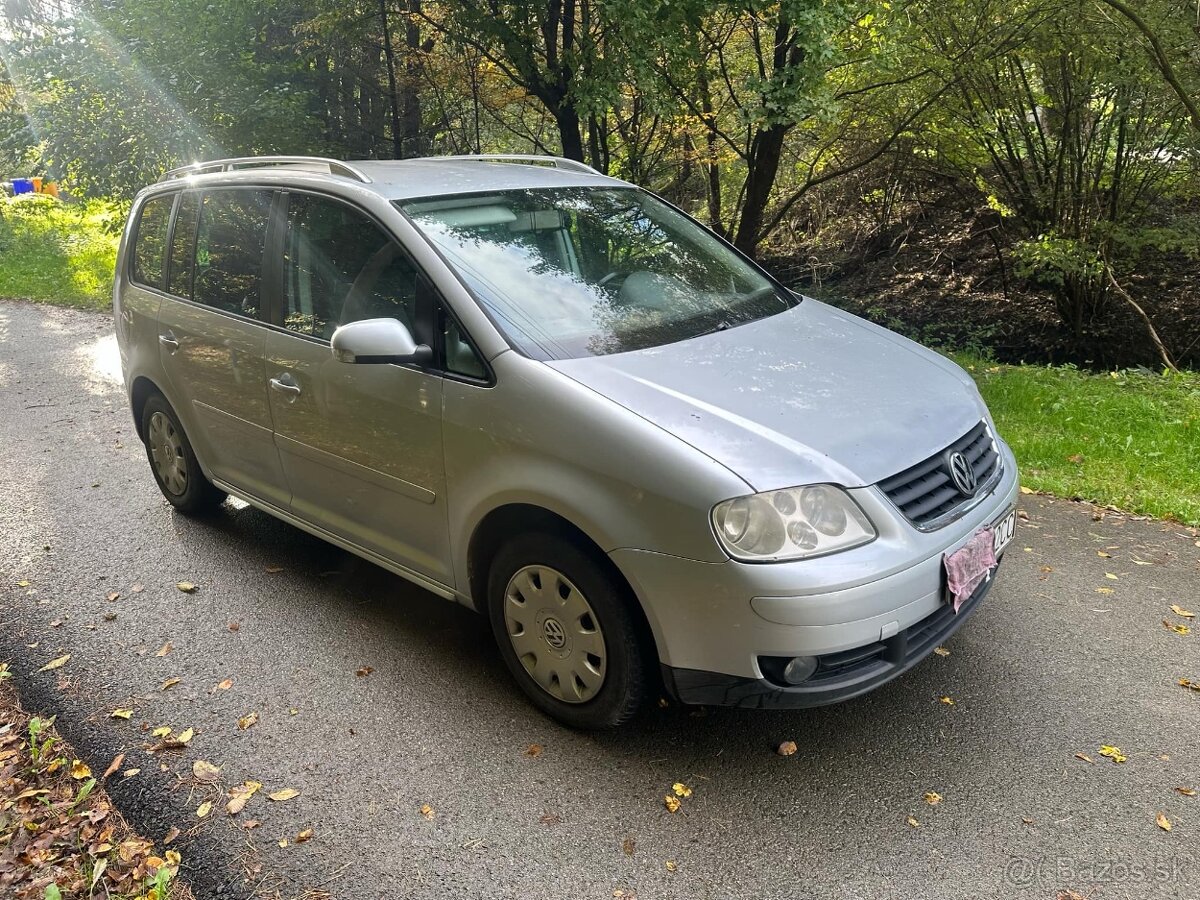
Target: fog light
pixel 799 669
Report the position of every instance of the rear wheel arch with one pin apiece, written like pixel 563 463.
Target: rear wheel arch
pixel 141 391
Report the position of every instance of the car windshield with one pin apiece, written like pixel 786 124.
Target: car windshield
pixel 572 272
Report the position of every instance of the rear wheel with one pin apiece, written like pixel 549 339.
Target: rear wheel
pixel 173 461
pixel 567 632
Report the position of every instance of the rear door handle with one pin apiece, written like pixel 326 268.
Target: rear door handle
pixel 285 384
pixel 167 339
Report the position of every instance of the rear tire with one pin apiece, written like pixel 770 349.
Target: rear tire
pixel 567 632
pixel 173 461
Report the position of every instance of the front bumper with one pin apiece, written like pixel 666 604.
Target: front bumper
pixel 712 622
pixel 839 676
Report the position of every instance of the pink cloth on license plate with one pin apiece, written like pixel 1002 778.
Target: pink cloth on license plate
pixel 969 566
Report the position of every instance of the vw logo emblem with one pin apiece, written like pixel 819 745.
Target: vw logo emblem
pixel 962 473
pixel 554 634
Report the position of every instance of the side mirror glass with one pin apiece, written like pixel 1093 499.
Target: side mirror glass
pixel 378 341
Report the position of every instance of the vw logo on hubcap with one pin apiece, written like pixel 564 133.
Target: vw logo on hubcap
pixel 962 473
pixel 554 634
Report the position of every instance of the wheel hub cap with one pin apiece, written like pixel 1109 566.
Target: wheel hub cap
pixel 555 634
pixel 166 453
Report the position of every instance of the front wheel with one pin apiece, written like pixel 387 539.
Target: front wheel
pixel 173 461
pixel 567 632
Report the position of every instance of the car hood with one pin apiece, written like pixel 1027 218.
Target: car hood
pixel 810 395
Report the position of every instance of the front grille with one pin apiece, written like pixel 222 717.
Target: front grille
pixel 926 493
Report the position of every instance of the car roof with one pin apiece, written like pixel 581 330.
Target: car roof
pixel 403 179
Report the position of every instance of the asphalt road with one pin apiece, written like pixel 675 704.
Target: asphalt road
pixel 1060 660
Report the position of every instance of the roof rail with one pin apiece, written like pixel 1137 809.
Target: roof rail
pixel 256 162
pixel 529 159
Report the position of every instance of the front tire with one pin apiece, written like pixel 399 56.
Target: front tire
pixel 173 461
pixel 567 632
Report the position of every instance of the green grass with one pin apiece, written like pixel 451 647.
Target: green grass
pixel 56 252
pixel 1124 439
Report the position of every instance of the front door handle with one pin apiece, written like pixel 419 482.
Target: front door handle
pixel 286 384
pixel 167 339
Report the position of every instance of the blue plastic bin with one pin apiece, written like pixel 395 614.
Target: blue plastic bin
pixel 22 186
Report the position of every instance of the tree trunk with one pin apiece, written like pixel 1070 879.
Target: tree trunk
pixel 416 142
pixel 567 119
pixel 765 152
pixel 389 55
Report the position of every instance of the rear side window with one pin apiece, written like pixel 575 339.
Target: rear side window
pixel 183 247
pixel 229 250
pixel 150 241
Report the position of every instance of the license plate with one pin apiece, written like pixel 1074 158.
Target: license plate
pixel 1003 531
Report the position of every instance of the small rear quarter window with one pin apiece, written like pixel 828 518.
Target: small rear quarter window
pixel 150 240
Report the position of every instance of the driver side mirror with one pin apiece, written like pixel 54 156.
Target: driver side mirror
pixel 378 341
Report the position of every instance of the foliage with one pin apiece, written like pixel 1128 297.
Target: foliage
pixel 58 252
pixel 1127 439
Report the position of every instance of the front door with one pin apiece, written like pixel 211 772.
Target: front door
pixel 212 342
pixel 361 445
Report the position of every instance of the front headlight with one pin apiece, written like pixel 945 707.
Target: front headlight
pixel 795 523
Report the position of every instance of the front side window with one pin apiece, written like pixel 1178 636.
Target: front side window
pixel 150 243
pixel 229 250
pixel 341 267
pixel 571 272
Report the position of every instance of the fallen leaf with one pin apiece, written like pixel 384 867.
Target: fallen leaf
pixel 428 811
pixel 1069 895
pixel 1163 822
pixel 671 803
pixel 80 770
pixel 1187 792
pixel 129 773
pixel 186 735
pixel 1046 569
pixel 170 835
pixel 1027 821
pixel 247 721
pixel 1025 490
pixel 941 651
pixel 283 842
pixel 1022 515
pixel 251 823
pixel 239 795
pixel 22 583
pixel 203 809
pixel 1113 753
pixel 114 595
pixel 1110 576
pixel 1076 458
pixel 1103 555
pixel 121 713
pixel 205 772
pixel 56 623
pixel 1180 611
pixel 273 570
pixel 55 663
pixel 235 626
pixel 364 671
pixel 164 649
pixel 787 748
pixel 681 789
pixel 223 685
pixel 628 846
pixel 1190 685
pixel 161 731
pixel 113 766
pixel 948 701
pixel 137 588
pixel 285 794
pixel 534 750
pixel 109 617
pixel 187 587
pixel 305 835
pixel 933 798
pixel 550 819
pixel 1085 758
pixel 671 867
pixel 1142 562
pixel 1178 629
pixel 1104 590
pixel 913 822
pixel 168 684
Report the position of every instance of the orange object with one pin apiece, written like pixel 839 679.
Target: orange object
pixel 51 188
pixel 37 185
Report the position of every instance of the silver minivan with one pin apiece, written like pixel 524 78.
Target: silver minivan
pixel 555 398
